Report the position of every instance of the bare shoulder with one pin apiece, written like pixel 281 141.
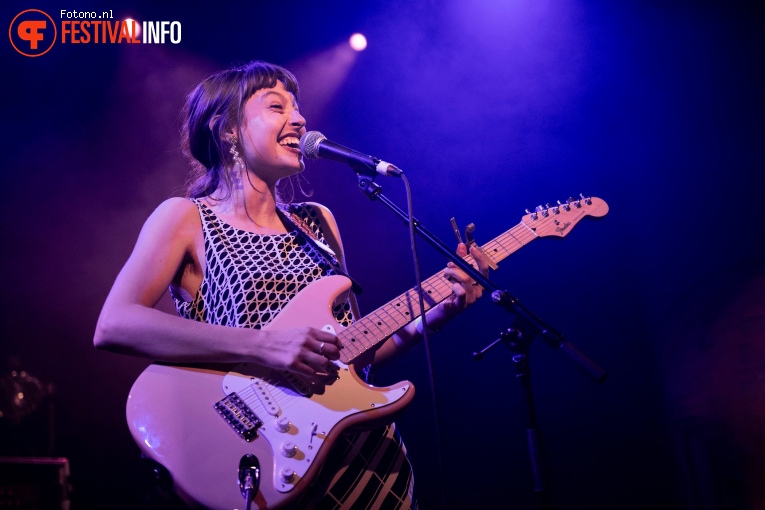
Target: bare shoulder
pixel 175 212
pixel 177 208
pixel 174 220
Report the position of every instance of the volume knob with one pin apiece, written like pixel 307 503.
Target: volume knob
pixel 288 475
pixel 289 449
pixel 282 424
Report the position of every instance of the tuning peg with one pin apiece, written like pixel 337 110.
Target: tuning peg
pixel 533 214
pixel 587 200
pixel 565 206
pixel 555 209
pixel 544 211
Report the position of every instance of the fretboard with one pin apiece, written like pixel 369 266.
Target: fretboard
pixel 379 325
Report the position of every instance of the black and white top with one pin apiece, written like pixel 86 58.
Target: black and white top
pixel 248 279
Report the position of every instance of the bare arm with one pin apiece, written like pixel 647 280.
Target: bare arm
pixel 129 323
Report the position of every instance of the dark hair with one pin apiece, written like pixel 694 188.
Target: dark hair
pixel 213 109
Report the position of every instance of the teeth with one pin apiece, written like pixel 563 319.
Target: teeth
pixel 290 140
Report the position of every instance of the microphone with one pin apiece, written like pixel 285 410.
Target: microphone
pixel 315 145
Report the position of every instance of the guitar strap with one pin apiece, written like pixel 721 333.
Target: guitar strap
pixel 325 251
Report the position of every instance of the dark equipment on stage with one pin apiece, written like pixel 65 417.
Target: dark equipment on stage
pixel 30 476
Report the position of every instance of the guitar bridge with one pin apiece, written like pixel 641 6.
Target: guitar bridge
pixel 238 416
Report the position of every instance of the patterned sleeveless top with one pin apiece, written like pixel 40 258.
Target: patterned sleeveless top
pixel 248 279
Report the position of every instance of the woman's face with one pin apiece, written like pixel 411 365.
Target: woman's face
pixel 270 132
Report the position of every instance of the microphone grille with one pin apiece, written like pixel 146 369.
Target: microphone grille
pixel 309 144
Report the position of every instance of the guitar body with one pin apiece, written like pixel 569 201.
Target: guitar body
pixel 172 415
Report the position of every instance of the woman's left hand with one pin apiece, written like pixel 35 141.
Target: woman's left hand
pixel 465 290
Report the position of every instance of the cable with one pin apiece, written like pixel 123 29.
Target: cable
pixel 425 339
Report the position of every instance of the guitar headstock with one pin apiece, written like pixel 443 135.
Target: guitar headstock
pixel 557 220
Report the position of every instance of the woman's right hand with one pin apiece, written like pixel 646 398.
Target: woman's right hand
pixel 130 324
pixel 306 351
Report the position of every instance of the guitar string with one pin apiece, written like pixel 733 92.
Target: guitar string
pixel 279 394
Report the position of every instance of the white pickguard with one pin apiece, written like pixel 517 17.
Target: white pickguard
pixel 275 401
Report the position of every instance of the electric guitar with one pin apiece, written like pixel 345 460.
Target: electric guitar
pixel 208 424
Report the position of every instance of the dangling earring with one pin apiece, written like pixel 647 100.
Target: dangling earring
pixel 235 153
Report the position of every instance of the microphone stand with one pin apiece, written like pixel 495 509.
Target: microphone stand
pixel 519 345
pixel 532 326
pixel 500 297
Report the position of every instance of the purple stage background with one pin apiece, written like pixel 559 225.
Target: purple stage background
pixel 490 108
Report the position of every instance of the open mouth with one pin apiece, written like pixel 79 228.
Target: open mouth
pixel 290 142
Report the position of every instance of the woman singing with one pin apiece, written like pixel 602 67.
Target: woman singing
pixel 234 253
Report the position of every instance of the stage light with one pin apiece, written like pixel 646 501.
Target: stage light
pixel 358 42
pixel 322 74
pixel 129 23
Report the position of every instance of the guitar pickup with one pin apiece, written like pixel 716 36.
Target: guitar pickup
pixel 239 416
pixel 297 383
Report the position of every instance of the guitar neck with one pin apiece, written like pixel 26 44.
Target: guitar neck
pixel 379 325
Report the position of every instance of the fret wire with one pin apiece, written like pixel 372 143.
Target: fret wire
pixel 513 233
pixel 376 331
pixel 397 314
pixel 358 332
pixel 398 307
pixel 443 292
pixel 370 339
pixel 435 283
pixel 495 250
pixel 375 316
pixel 412 304
pixel 387 318
pixel 431 293
pixel 345 339
pixel 529 229
pixel 513 238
